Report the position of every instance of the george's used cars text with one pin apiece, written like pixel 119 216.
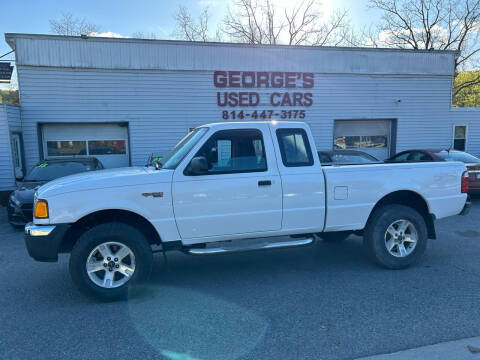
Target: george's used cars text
pixel 234 187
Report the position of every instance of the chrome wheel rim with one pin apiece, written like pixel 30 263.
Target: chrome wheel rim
pixel 110 265
pixel 401 238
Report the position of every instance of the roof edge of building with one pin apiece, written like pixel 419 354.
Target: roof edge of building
pixel 10 39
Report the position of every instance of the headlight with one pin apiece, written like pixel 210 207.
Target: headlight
pixel 41 209
pixel 14 200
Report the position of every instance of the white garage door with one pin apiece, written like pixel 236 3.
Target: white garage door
pixel 370 136
pixel 106 142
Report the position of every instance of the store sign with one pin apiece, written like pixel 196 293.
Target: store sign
pixel 6 71
pixel 289 93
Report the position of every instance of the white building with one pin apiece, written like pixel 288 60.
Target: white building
pixel 123 99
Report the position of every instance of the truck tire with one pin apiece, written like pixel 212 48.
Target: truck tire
pixel 108 259
pixel 395 236
pixel 334 237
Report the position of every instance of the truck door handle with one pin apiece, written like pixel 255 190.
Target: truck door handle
pixel 264 183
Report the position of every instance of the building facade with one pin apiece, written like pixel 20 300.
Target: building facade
pixel 124 99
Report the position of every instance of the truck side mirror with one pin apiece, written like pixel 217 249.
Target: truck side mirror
pixel 198 166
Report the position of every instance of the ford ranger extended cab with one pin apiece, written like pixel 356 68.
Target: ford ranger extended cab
pixel 233 187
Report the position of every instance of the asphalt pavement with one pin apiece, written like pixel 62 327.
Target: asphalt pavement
pixel 326 301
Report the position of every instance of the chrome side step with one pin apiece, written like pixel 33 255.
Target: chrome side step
pixel 247 246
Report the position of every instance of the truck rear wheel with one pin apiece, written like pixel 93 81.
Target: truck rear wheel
pixel 395 236
pixel 108 259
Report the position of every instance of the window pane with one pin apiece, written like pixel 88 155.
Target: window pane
pixel 66 148
pixel 294 147
pixel 234 151
pixel 173 158
pixel 419 156
pixel 106 147
pixel 377 141
pixel 401 157
pixel 459 144
pixel 346 142
pixel 460 132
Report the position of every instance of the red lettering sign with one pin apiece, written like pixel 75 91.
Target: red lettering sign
pixel 276 80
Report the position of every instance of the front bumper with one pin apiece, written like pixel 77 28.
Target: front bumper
pixel 466 207
pixel 43 241
pixel 19 215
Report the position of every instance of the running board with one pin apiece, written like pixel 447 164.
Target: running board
pixel 229 248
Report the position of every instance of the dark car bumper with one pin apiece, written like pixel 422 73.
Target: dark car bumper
pixel 19 215
pixel 43 241
pixel 466 207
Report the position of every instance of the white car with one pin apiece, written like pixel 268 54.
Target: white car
pixel 237 186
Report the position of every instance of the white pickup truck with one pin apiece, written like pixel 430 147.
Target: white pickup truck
pixel 232 187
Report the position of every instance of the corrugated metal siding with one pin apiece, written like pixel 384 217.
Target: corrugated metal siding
pixel 161 106
pixel 13 116
pixel 101 53
pixel 7 177
pixel 471 118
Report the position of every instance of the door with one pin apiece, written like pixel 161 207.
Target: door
pixel 239 193
pixel 17 155
pixel 302 176
pixel 370 136
pixel 107 142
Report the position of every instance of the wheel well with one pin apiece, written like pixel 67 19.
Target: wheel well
pixel 410 199
pixel 104 216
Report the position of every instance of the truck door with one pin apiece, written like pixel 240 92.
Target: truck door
pixel 239 193
pixel 302 177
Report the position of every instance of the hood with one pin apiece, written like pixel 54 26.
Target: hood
pixel 102 179
pixel 25 191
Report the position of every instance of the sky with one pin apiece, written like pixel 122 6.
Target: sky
pixel 126 17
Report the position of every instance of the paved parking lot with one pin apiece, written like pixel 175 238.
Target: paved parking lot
pixel 320 302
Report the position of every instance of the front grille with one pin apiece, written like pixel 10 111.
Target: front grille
pixel 27 207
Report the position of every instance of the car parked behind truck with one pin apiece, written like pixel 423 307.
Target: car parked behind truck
pixel 20 202
pixel 233 187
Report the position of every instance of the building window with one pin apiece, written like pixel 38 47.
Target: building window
pixel 66 148
pixel 83 147
pixel 355 142
pixel 460 137
pixel 106 147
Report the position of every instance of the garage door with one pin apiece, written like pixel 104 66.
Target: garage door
pixel 106 142
pixel 370 136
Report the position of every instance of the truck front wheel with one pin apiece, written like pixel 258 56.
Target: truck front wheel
pixel 395 236
pixel 108 259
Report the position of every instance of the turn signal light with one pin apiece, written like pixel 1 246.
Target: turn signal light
pixel 465 179
pixel 41 209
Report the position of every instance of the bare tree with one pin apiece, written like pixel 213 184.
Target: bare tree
pixel 70 25
pixel 263 22
pixel 432 25
pixel 141 35
pixel 188 28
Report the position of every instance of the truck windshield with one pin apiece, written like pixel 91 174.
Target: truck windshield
pixel 180 150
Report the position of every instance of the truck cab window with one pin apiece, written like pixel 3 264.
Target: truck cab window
pixel 234 151
pixel 294 147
